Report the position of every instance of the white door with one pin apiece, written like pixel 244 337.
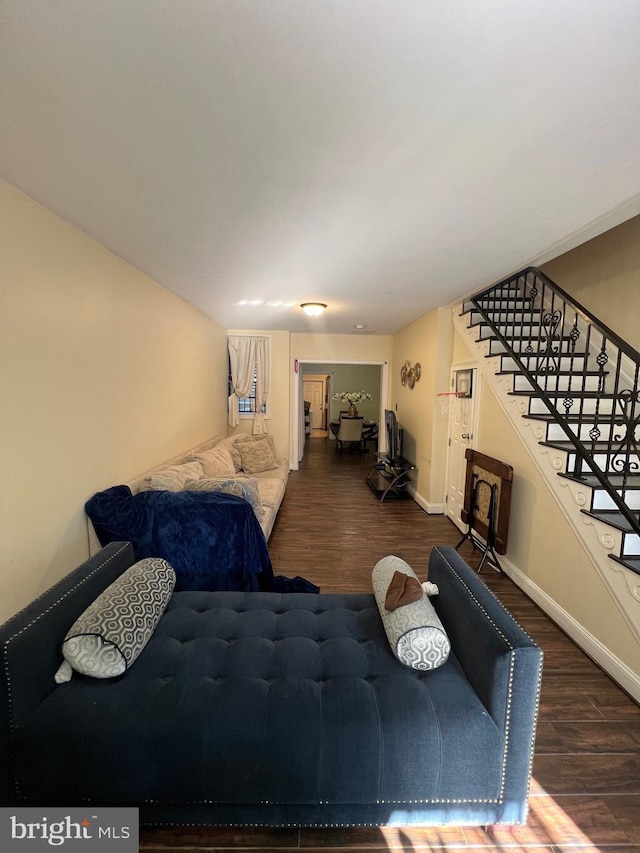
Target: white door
pixel 463 414
pixel 314 393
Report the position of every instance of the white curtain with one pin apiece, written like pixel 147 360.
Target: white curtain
pixel 263 372
pixel 249 356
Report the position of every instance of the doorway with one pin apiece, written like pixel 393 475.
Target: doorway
pixel 463 405
pixel 314 389
pixel 341 375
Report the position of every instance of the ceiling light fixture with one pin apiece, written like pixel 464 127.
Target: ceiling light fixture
pixel 313 309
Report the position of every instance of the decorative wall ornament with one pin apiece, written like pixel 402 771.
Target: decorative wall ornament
pixel 410 375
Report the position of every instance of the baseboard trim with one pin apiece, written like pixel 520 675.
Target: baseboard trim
pixel 429 508
pixel 590 645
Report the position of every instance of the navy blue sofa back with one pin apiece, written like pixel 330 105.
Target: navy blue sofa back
pixel 30 645
pixel 499 659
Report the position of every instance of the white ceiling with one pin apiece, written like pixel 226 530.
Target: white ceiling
pixel 382 156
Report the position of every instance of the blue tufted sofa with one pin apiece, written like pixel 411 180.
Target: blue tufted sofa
pixel 256 708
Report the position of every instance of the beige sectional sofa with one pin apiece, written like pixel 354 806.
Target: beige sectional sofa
pixel 240 464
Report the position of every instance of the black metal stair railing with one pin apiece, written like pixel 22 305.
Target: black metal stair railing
pixel 585 375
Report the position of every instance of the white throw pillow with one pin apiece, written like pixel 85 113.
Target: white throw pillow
pixel 415 633
pixel 216 462
pixel 172 479
pixel 229 444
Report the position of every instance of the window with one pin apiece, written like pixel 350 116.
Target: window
pixel 247 405
pixel 249 379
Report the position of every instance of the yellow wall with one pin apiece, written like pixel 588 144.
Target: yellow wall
pixel 542 544
pixel 604 275
pixel 427 341
pixel 103 374
pixel 356 348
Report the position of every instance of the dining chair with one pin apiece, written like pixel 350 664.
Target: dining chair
pixel 350 432
pixel 370 433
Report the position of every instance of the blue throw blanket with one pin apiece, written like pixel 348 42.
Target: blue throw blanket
pixel 212 540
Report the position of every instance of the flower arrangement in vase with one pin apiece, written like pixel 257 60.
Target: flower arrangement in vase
pixel 352 397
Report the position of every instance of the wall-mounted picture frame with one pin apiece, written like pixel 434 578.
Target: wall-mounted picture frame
pixel 464 382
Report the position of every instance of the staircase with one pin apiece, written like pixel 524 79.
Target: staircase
pixel 575 384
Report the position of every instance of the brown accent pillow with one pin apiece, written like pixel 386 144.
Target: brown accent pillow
pixel 402 590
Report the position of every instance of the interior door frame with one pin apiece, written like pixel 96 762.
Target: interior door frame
pixel 475 420
pixel 297 404
pixel 324 380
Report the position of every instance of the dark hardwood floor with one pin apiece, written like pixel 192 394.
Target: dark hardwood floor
pixel 586 774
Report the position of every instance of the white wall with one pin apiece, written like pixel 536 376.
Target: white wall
pixel 103 374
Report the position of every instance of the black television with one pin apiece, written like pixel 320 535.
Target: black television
pixel 394 435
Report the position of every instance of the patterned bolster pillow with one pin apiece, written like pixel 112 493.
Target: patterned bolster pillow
pixel 108 637
pixel 415 633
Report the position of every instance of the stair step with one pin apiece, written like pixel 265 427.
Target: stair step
pixel 574 373
pixel 585 418
pixel 505 316
pixel 630 538
pixel 564 382
pixel 554 363
pixel 587 404
pixel 520 346
pixel 510 306
pixel 628 490
pixel 532 354
pixel 578 394
pixel 517 331
pixel 613 518
pixel 584 429
pixel 594 446
pixel 616 480
pixel 601 453
pixel 498 303
pixel 632 563
pixel 536 337
pixel 517 289
pixel 504 293
pixel 501 302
